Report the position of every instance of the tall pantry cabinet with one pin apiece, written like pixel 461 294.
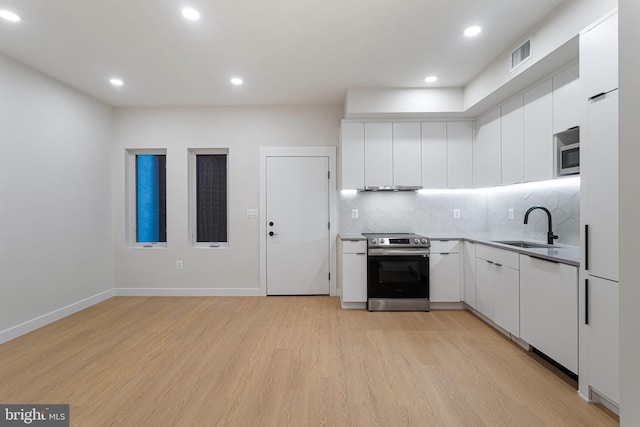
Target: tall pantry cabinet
pixel 599 360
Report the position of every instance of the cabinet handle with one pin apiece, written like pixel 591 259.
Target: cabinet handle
pixel 498 265
pixel 444 253
pixel 586 301
pixel 490 262
pixel 594 97
pixel 586 247
pixel 361 253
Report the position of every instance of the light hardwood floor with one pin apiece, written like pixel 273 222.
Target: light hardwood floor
pixel 283 361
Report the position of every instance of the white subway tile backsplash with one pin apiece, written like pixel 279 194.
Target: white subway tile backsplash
pixel 480 210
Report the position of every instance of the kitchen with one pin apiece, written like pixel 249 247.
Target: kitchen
pixel 485 211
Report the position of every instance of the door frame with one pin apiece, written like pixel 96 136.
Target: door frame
pixel 328 151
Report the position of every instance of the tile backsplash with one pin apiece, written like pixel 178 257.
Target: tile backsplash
pixel 432 211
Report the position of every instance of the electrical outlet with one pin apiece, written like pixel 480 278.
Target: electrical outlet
pixel 456 213
pixel 179 265
pixel 354 213
pixel 510 213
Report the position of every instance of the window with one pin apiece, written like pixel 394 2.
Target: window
pixel 209 202
pixel 147 198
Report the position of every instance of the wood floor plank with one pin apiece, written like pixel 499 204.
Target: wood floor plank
pixel 283 361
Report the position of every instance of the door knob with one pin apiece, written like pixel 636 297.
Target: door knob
pixel 271 233
pixel 271 224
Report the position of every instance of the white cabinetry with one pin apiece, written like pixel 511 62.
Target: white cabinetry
pixel 567 102
pixel 498 287
pixel 599 368
pixel 512 131
pixel 444 271
pixel 469 273
pixel 603 339
pixel 459 154
pixel 538 134
pixel 549 309
pixel 434 154
pixel 352 273
pixel 352 155
pixel 599 57
pixel 600 183
pixel 406 154
pixel 378 154
pixel 487 151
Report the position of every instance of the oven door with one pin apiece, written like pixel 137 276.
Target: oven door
pixel 398 276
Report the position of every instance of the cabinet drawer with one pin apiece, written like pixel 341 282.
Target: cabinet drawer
pixel 498 256
pixel 445 246
pixel 354 246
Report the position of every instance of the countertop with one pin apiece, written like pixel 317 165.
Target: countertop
pixel 559 253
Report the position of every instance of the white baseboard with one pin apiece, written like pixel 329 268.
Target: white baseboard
pixel 45 319
pixel 353 305
pixel 189 292
pixel 446 305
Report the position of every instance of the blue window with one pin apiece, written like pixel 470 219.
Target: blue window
pixel 151 199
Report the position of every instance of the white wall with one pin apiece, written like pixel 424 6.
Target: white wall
pixel 234 270
pixel 629 153
pixel 55 213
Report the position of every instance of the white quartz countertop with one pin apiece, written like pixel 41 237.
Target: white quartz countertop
pixel 558 253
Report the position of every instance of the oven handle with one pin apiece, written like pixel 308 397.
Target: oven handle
pixel 398 252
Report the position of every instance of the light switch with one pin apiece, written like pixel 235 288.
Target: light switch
pixel 456 213
pixel 511 213
pixel 251 213
pixel 354 213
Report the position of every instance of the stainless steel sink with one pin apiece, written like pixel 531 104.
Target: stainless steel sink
pixel 522 244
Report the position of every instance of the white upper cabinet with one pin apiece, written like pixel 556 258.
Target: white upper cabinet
pixel 567 102
pixel 487 151
pixel 538 133
pixel 352 153
pixel 434 155
pixel 513 141
pixel 406 154
pixel 459 154
pixel 599 57
pixel 378 154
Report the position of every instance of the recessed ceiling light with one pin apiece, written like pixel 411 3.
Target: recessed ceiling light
pixel 431 79
pixel 9 16
pixel 116 81
pixel 472 31
pixel 236 81
pixel 191 14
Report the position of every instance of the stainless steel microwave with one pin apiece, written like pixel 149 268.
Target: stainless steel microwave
pixel 570 159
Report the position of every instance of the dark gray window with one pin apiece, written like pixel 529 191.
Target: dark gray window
pixel 211 198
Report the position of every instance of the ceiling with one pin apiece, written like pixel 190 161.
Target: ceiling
pixel 286 51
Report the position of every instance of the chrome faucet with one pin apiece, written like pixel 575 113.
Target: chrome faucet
pixel 550 235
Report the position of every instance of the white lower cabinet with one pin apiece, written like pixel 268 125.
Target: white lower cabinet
pixel 603 340
pixel 352 271
pixel 498 287
pixel 444 271
pixel 484 287
pixel 506 298
pixel 469 273
pixel 549 309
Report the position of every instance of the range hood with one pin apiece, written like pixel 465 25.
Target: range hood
pixel 393 188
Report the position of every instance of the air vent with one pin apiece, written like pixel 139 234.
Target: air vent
pixel 520 55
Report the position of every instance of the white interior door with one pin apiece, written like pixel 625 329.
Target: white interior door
pixel 297 216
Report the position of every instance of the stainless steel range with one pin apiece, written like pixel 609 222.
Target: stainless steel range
pixel 397 272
